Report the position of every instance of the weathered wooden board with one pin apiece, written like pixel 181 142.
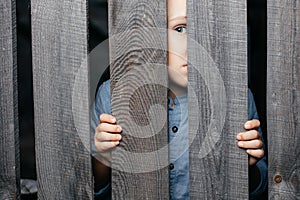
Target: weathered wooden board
pixel 283 99
pixel 138 57
pixel 9 140
pixel 217 56
pixel 60 73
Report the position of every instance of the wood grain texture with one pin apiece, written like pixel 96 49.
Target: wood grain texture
pixel 283 99
pixel 217 56
pixel 60 73
pixel 9 140
pixel 137 34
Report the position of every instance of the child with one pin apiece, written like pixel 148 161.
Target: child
pixel 107 134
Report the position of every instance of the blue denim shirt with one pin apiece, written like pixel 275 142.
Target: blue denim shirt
pixel 178 152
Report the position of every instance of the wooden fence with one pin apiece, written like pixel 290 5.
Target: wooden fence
pixel 217 50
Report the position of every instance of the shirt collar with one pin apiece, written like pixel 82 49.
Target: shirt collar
pixel 180 99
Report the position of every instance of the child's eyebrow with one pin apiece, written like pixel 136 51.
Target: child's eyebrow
pixel 177 18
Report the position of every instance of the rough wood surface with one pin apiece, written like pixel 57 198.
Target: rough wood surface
pixel 139 98
pixel 283 98
pixel 9 140
pixel 60 73
pixel 217 54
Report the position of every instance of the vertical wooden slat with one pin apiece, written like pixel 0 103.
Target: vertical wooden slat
pixel 60 73
pixel 9 140
pixel 137 33
pixel 217 54
pixel 283 98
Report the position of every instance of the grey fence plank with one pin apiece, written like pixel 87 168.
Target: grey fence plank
pixel 217 54
pixel 139 98
pixel 9 140
pixel 283 99
pixel 60 73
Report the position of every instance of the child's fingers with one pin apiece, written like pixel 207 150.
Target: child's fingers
pixel 252 124
pixel 103 137
pixel 107 145
pixel 111 128
pixel 251 144
pixel 257 153
pixel 107 118
pixel 249 135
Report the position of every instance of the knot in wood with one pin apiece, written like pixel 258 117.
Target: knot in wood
pixel 277 178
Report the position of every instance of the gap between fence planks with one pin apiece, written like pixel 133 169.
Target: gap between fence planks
pixel 139 94
pixel 9 140
pixel 283 98
pixel 217 55
pixel 60 79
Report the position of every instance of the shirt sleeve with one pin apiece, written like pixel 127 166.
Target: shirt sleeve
pixel 100 106
pixel 262 163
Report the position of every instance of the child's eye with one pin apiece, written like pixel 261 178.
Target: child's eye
pixel 181 29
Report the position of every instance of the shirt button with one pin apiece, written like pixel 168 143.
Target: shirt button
pixel 174 129
pixel 171 166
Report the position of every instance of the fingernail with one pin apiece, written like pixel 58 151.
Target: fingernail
pixel 248 151
pixel 113 120
pixel 240 144
pixel 117 142
pixel 238 137
pixel 247 125
pixel 119 129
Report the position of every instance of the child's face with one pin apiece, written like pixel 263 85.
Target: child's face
pixel 177 46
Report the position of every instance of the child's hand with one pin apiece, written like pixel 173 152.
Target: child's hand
pixel 251 141
pixel 107 136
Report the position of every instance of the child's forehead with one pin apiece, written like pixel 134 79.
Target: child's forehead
pixel 176 8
